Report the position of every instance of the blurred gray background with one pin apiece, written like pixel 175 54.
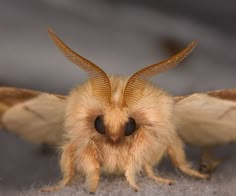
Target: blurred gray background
pixel 121 36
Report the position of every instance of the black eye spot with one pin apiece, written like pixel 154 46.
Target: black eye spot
pixel 130 127
pixel 99 125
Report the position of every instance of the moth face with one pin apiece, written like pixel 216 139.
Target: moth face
pixel 115 124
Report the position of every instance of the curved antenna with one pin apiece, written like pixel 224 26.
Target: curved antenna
pixel 100 82
pixel 136 83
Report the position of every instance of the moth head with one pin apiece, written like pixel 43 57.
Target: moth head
pixel 115 122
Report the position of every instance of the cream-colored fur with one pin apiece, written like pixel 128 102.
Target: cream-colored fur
pixel 116 99
pixel 95 153
pixel 160 125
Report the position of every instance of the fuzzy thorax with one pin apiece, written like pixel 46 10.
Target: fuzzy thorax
pixel 152 115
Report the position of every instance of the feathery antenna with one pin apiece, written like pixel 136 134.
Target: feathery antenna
pixel 100 81
pixel 136 83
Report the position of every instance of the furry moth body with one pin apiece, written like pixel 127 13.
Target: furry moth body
pixel 112 125
pixel 117 125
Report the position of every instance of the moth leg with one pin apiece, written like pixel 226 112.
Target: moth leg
pixel 178 158
pixel 88 165
pixel 130 175
pixel 134 164
pixel 67 167
pixel 208 163
pixel 151 174
pixel 92 173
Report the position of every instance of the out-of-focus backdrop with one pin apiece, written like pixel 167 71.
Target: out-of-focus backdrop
pixel 121 36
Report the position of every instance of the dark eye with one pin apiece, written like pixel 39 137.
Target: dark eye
pixel 99 125
pixel 130 127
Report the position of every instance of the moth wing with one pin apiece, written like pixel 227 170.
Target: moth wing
pixel 207 119
pixel 35 116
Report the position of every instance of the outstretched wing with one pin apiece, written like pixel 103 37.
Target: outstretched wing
pixel 207 119
pixel 33 115
pixel 202 119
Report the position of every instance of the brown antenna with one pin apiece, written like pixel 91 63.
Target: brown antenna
pixel 100 81
pixel 136 83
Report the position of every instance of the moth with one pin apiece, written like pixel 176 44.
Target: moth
pixel 117 125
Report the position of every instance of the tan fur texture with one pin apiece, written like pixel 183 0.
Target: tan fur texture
pixel 112 125
pixel 125 155
pixel 29 115
pixel 160 123
pixel 116 103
